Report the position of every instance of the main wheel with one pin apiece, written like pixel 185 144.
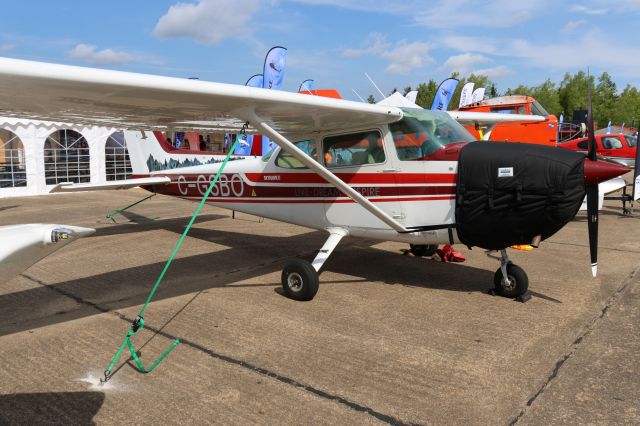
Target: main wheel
pixel 518 281
pixel 421 250
pixel 300 280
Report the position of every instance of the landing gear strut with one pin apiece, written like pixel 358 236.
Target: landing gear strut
pixel 510 280
pixel 300 278
pixel 422 250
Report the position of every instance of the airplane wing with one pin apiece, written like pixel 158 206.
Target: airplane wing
pixel 115 184
pixel 23 245
pixel 125 100
pixel 492 118
pixel 488 120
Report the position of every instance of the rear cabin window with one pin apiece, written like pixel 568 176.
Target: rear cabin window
pixel 354 149
pixel 288 161
pixel 583 145
pixel 611 142
pixel 631 141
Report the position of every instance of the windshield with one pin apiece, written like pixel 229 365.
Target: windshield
pixel 537 109
pixel 422 132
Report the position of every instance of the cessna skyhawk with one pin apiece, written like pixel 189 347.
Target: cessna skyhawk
pixel 348 168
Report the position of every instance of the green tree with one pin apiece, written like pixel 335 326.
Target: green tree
pixel 573 92
pixel 604 100
pixel 547 94
pixel 371 99
pixel 426 93
pixel 627 108
pixel 406 90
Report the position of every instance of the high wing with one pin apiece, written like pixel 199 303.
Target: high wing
pixel 126 100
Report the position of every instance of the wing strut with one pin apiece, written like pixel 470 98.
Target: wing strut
pixel 267 130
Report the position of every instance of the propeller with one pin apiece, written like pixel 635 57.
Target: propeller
pixel 592 188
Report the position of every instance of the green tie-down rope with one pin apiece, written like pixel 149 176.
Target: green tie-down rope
pixel 138 323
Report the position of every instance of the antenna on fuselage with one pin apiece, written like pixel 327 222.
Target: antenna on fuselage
pixel 358 95
pixel 374 85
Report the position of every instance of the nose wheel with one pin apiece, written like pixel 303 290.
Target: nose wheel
pixel 510 280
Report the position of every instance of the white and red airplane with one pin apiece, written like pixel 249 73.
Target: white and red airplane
pixel 348 168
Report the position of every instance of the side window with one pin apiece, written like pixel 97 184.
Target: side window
pixel 288 161
pixel 354 149
pixel 521 109
pixel 504 110
pixel 583 145
pixel 611 142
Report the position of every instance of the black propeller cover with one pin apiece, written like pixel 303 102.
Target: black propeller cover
pixel 509 193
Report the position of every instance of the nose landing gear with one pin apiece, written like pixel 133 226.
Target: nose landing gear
pixel 510 280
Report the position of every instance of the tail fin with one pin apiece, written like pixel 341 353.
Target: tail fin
pixel 150 152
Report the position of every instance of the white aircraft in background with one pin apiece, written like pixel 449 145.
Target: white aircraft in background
pixel 21 246
pixel 348 168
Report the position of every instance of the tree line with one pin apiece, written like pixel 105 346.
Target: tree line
pixel 563 98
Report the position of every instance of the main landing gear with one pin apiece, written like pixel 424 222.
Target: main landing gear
pixel 510 280
pixel 300 278
pixel 423 250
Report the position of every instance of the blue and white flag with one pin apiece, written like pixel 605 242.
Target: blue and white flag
pixel 444 94
pixel 306 86
pixel 609 128
pixel 560 121
pixel 274 65
pixel 179 139
pixel 255 81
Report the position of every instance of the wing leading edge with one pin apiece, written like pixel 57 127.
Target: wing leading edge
pixel 90 96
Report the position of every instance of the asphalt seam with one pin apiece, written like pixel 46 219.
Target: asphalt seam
pixel 577 343
pixel 237 362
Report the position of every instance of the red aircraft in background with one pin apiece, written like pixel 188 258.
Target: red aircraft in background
pixel 617 147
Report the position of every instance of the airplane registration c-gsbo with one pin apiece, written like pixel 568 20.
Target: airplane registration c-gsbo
pixel 349 168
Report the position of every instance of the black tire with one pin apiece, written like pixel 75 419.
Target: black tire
pixel 300 280
pixel 422 250
pixel 518 278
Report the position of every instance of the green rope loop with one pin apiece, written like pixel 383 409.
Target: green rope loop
pixel 138 324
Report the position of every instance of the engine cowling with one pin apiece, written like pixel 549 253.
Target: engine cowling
pixel 511 193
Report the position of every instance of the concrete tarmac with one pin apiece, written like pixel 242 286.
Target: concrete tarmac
pixel 389 339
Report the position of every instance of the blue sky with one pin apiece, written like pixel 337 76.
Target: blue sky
pixel 334 42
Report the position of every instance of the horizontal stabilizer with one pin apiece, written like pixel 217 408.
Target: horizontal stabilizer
pixel 116 184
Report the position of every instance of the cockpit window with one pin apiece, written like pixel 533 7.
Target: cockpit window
pixel 537 109
pixel 288 161
pixel 421 133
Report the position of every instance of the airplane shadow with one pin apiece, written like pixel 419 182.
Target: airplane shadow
pixel 245 258
pixel 8 207
pixel 57 408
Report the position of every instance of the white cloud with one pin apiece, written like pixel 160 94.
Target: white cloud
pixel 572 25
pixel 88 53
pixel 464 63
pixel 465 43
pixel 208 21
pixel 494 72
pixel 7 47
pixel 403 57
pixel 589 10
pixel 375 44
pixel 460 14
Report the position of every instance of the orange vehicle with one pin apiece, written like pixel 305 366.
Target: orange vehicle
pixel 543 132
